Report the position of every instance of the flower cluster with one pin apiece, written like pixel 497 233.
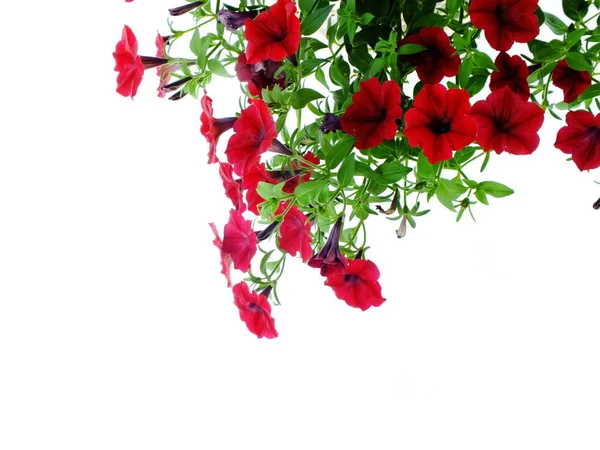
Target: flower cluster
pixel 332 122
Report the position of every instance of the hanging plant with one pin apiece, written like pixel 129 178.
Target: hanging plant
pixel 352 109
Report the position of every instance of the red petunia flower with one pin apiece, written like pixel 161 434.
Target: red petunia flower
pixel 259 76
pixel 512 72
pixel 212 128
pixel 440 122
pixel 330 257
pixel 239 241
pixel 357 284
pixel 255 310
pixel 225 257
pixel 128 63
pixel 505 21
pixel 233 187
pixel 256 173
pixel 273 34
pixel 254 133
pixel 438 61
pixel 294 233
pixel 572 82
pixel 371 118
pixel 581 139
pixel 507 123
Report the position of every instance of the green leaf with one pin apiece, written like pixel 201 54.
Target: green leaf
pixel 302 97
pixel 464 73
pixel 556 25
pixel 483 61
pixel 215 66
pixel 306 5
pixel 454 189
pixel 590 92
pixel 577 61
pixel 360 58
pixel 346 173
pixel 312 22
pixel 338 152
pixel 495 189
pixel 452 6
pixel 575 9
pixel 265 190
pixel 376 67
pixel 391 172
pixel 310 192
pixel 424 167
pixel 481 196
pixel 477 82
pixel 429 20
pixel 411 49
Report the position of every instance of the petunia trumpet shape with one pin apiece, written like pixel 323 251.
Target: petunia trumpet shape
pixel 438 60
pixel 239 241
pixel 260 75
pixel 581 139
pixel 357 284
pixel 512 72
pixel 212 128
pixel 371 118
pixel 130 65
pixel 232 20
pixel 506 123
pixel 440 122
pixel 330 257
pixel 273 34
pixel 572 82
pixel 294 233
pixel 505 22
pixel 255 310
pixel 233 187
pixel 255 133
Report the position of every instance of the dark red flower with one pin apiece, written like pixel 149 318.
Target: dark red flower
pixel 507 123
pixel 440 122
pixel 239 241
pixel 254 133
pixel 438 61
pixel 128 64
pixel 233 187
pixel 232 20
pixel 371 118
pixel 273 34
pixel 225 257
pixel 357 284
pixel 512 72
pixel 572 82
pixel 256 173
pixel 259 76
pixel 505 21
pixel 212 128
pixel 330 257
pixel 294 233
pixel 255 310
pixel 581 139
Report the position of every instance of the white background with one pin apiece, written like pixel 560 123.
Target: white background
pixel 117 330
